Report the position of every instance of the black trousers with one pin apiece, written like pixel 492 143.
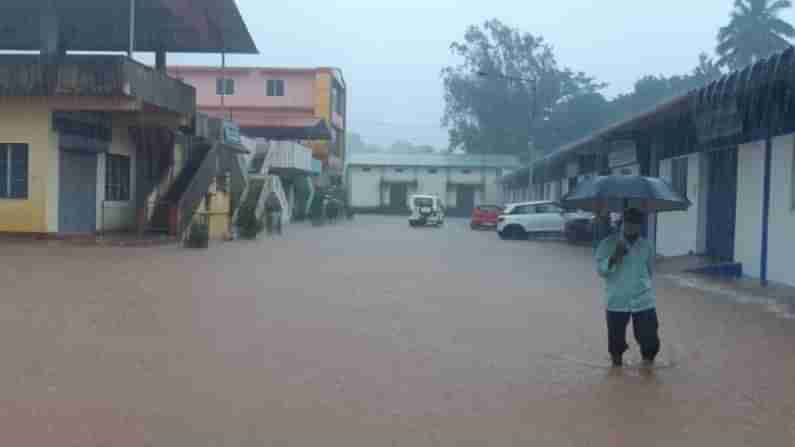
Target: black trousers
pixel 644 326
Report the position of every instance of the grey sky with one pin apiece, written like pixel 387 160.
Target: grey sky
pixel 392 52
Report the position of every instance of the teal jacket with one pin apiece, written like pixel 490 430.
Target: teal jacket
pixel 628 285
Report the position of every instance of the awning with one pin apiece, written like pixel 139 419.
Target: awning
pixel 317 131
pixel 177 26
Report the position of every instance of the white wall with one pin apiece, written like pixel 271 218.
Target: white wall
pixel 115 216
pixel 677 232
pixel 432 183
pixel 458 175
pixel 365 186
pixel 750 175
pixel 391 173
pixel 781 236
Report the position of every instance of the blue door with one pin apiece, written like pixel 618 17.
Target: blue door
pixel 77 197
pixel 722 204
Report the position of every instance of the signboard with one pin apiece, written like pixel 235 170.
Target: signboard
pixel 622 153
pixel 231 132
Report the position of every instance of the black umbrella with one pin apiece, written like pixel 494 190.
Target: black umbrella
pixel 615 193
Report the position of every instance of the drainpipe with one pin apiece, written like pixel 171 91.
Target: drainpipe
pixel 766 207
pixel 132 29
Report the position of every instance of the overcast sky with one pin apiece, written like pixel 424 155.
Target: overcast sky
pixel 391 52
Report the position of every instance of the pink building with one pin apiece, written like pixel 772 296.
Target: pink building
pixel 297 104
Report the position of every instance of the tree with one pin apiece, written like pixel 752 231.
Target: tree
pixel 754 32
pixel 571 120
pixel 493 114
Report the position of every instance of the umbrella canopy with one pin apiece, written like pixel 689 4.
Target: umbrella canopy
pixel 615 193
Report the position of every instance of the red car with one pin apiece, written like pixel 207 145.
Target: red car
pixel 485 216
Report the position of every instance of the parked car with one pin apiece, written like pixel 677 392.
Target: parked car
pixel 579 229
pixel 520 220
pixel 426 210
pixel 485 216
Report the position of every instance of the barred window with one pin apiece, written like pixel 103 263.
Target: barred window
pixel 13 171
pixel 117 178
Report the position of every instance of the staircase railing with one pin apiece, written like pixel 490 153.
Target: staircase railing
pixel 196 191
pixel 278 189
pixel 153 199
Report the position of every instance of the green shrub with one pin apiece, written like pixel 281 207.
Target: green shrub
pixel 248 224
pixel 199 236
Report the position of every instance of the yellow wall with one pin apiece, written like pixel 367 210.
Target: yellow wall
pixel 28 120
pixel 219 215
pixel 320 149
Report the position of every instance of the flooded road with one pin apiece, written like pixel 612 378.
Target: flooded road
pixel 370 333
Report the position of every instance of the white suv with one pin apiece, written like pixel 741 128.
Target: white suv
pixel 519 220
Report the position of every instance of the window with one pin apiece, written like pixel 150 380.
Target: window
pixel 523 209
pixel 224 86
pixel 423 201
pixel 679 175
pixel 13 171
pixel 432 171
pixel 117 178
pixel 499 172
pixel 367 169
pixel 547 208
pixel 572 183
pixel 399 169
pixel 274 87
pixel 467 171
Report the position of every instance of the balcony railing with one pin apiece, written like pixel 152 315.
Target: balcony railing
pixel 106 76
pixel 288 157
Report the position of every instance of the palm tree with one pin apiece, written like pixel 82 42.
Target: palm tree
pixel 754 32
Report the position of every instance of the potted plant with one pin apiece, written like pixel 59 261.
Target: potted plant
pixel 199 236
pixel 248 224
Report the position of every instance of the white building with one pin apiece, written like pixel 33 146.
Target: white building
pixel 382 182
pixel 728 147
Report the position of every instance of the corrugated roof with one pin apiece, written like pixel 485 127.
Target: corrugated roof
pixel 176 26
pixel 437 160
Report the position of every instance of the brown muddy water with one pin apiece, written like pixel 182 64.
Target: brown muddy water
pixel 370 333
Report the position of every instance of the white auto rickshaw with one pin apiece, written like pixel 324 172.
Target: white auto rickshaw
pixel 426 210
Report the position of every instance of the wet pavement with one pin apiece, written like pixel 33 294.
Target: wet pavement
pixel 369 333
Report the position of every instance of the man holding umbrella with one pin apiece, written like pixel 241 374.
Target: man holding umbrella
pixel 625 260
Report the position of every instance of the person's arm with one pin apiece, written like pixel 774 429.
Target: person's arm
pixel 606 260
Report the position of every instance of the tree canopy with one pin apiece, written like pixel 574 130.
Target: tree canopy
pixel 506 83
pixel 754 32
pixel 492 106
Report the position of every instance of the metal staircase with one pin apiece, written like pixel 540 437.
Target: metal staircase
pixel 260 185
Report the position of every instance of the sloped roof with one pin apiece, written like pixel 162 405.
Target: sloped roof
pixel 178 26
pixel 433 160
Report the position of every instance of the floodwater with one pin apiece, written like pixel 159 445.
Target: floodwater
pixel 369 333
